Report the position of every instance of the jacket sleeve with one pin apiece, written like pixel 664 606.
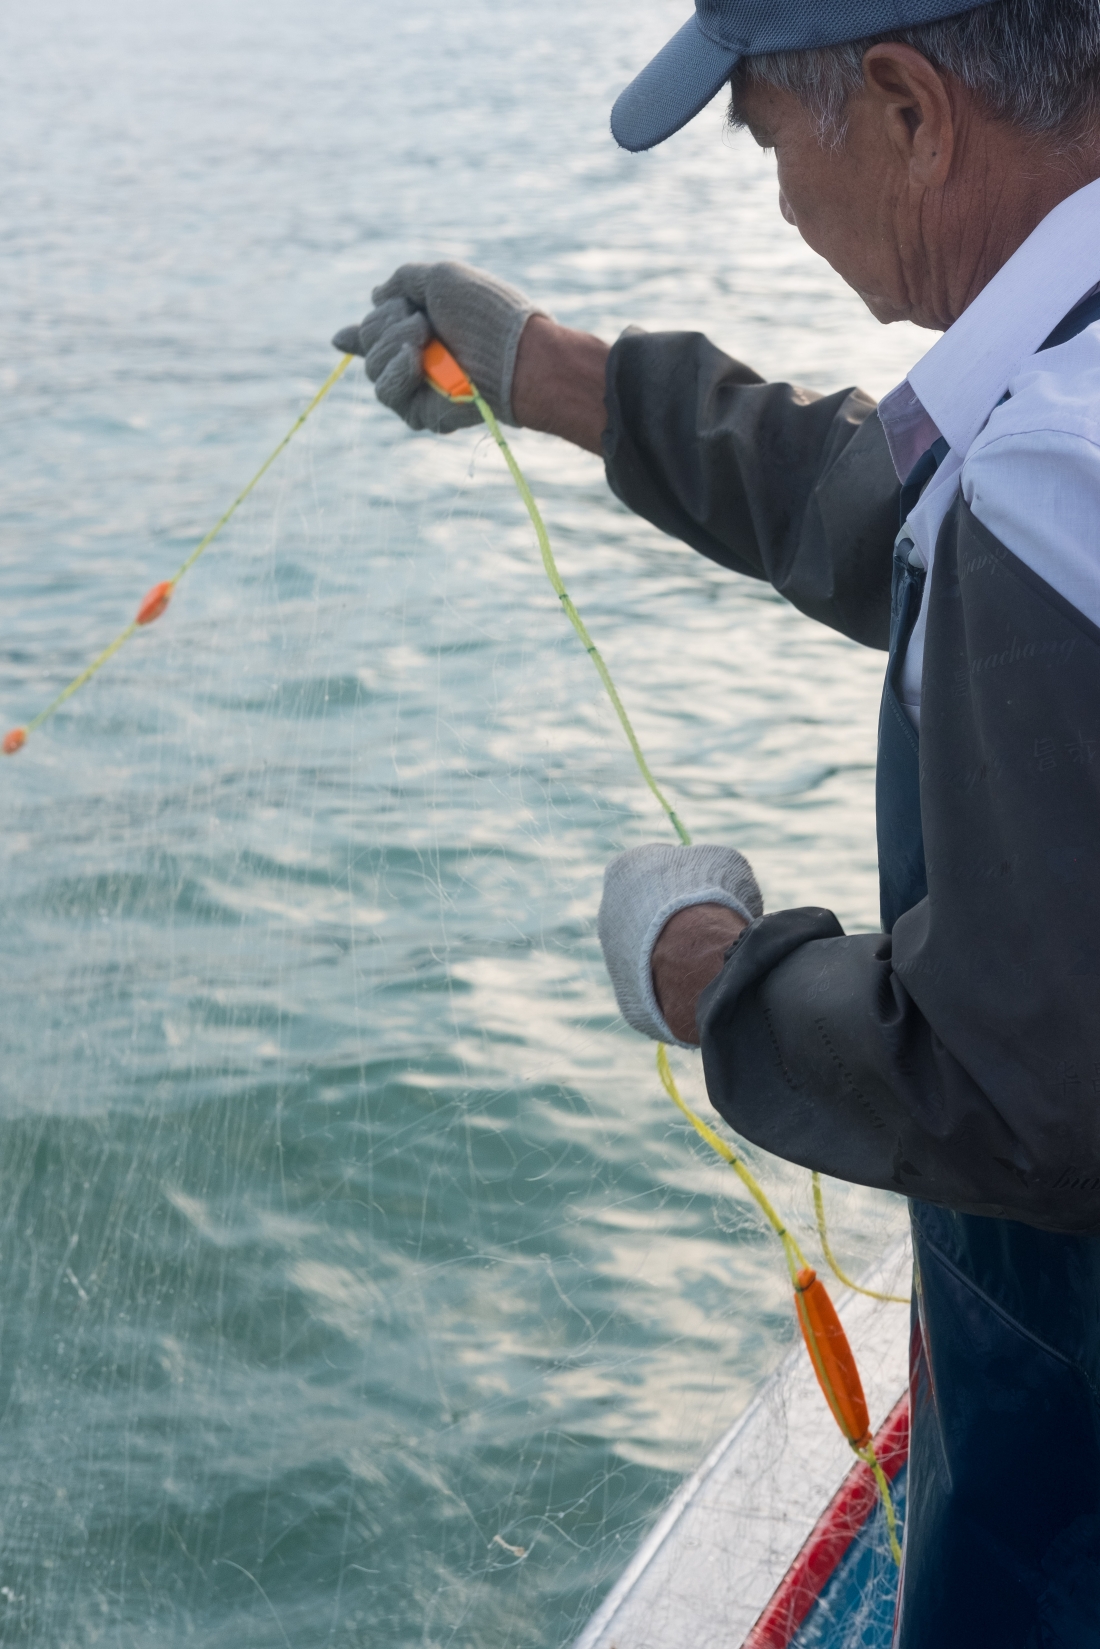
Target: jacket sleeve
pixel 766 479
pixel 956 1060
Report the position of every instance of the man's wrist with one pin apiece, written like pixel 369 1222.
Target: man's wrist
pixel 558 384
pixel 689 953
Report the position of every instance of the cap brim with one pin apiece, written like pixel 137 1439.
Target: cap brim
pixel 672 89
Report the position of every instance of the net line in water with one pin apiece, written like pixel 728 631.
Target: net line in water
pixel 157 600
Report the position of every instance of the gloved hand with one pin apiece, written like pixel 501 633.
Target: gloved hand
pixel 642 888
pixel 480 320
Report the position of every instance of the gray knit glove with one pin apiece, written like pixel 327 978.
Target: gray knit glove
pixel 642 888
pixel 478 318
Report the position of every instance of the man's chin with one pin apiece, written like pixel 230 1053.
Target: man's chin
pixel 886 309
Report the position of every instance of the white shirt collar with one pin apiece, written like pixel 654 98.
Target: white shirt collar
pixel 954 388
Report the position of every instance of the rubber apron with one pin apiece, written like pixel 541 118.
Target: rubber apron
pixel 1002 1536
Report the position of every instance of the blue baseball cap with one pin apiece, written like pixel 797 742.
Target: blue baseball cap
pixel 700 57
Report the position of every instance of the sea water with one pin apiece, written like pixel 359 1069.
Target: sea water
pixel 358 1284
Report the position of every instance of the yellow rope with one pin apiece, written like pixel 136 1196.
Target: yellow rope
pixel 841 1276
pixel 552 573
pixel 124 635
pixel 78 681
pixel 333 378
pixel 571 612
pixel 792 1252
pixel 870 1458
pixel 796 1260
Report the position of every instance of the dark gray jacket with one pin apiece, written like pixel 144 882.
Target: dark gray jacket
pixel 956 1060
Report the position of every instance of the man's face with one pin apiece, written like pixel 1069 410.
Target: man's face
pixel 853 203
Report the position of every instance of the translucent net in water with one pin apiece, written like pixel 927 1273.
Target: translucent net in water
pixel 355 1264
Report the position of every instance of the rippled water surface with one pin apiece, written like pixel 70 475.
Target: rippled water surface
pixel 357 1285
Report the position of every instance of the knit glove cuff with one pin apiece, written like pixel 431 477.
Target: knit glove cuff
pixel 642 889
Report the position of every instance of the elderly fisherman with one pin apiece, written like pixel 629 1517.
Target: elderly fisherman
pixel 944 160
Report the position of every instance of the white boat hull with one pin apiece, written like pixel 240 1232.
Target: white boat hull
pixel 714 1560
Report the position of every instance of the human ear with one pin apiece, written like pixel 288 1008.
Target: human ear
pixel 915 106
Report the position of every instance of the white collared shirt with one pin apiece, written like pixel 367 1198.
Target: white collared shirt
pixel 1028 466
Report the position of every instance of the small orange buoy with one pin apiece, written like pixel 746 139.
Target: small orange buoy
pixel 13 741
pixel 444 373
pixel 154 602
pixel 831 1355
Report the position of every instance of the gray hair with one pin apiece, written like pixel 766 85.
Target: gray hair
pixel 1034 64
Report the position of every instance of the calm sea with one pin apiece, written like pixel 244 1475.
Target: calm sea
pixel 358 1285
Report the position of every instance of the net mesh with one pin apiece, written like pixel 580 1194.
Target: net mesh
pixel 357 1281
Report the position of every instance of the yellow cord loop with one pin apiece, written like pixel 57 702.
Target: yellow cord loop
pixel 157 599
pixel 841 1276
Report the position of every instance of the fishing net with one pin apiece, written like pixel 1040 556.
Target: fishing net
pixel 358 1282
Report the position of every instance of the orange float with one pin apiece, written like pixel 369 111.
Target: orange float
pixel 832 1357
pixel 154 602
pixel 444 373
